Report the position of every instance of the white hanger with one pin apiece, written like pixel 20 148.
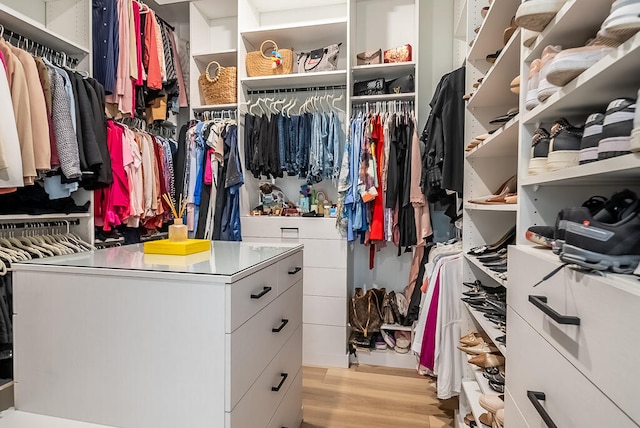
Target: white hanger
pixel 333 103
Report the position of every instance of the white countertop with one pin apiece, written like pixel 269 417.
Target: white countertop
pixel 227 259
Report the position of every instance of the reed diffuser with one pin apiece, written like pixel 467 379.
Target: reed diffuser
pixel 177 231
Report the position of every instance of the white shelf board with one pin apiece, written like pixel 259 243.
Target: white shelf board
pixel 502 143
pixel 483 382
pixel 385 97
pixel 626 283
pixel 43 217
pixel 307 35
pixel 489 328
pixel 388 71
pixel 472 392
pixel 489 38
pixel 387 358
pixel 483 268
pixel 12 418
pixel 496 207
pixel 227 58
pixel 296 80
pixel 460 29
pixel 495 87
pixel 622 169
pixel 574 23
pixel 396 327
pixel 232 106
pixel 613 76
pixel 37 32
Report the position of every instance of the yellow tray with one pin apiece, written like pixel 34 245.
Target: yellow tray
pixel 182 248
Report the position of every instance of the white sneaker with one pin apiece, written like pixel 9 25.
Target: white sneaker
pixel 570 63
pixel 536 14
pixel 635 134
pixel 529 37
pixel 546 89
pixel 624 19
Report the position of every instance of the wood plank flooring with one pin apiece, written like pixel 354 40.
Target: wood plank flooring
pixel 372 397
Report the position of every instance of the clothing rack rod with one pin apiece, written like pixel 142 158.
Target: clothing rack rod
pixel 289 90
pixel 10 34
pixel 38 224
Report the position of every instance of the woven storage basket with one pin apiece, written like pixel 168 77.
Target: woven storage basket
pixel 259 64
pixel 221 88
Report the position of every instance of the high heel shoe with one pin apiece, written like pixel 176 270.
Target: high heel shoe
pixel 487 360
pixel 508 187
pixel 502 243
pixel 471 339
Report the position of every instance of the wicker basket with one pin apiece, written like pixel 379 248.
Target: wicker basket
pixel 259 64
pixel 220 89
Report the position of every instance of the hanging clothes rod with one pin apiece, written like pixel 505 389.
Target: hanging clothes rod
pixel 291 90
pixel 38 224
pixel 36 48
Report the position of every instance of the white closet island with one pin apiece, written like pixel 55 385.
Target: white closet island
pixel 121 338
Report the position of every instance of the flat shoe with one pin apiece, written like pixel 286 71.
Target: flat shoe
pixel 486 419
pixel 471 339
pixel 481 348
pixel 514 86
pixel 494 56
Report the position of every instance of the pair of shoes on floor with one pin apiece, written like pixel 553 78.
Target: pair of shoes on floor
pixel 607 239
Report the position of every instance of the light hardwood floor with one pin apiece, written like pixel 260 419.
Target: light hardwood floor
pixel 372 397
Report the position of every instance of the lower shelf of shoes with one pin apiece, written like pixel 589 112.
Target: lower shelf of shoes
pixel 483 382
pixel 472 392
pixel 492 274
pixel 489 328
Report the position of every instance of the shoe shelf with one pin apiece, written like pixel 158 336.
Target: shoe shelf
pixel 388 71
pixel 494 90
pixel 622 170
pixel 489 38
pixel 459 419
pixel 626 283
pixel 502 143
pixel 43 217
pixel 483 382
pixel 296 80
pixel 495 207
pixel 613 76
pixel 226 58
pixel 387 358
pixel 574 23
pixel 384 97
pixel 396 327
pixel 212 107
pixel 488 327
pixel 472 392
pixel 483 268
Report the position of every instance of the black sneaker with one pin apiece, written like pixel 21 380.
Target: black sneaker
pixel 590 138
pixel 597 245
pixel 608 212
pixel 564 149
pixel 539 152
pixel 616 129
pixel 541 235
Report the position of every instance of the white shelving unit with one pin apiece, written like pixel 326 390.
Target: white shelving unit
pixel 302 80
pixel 483 382
pixel 493 275
pixel 502 143
pixel 472 392
pixel 386 70
pixel 497 207
pixel 488 327
pixel 385 97
pixel 213 107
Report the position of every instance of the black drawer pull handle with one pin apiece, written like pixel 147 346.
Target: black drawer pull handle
pixel 295 229
pixel 279 329
pixel 540 302
pixel 535 397
pixel 284 377
pixel 295 270
pixel 264 291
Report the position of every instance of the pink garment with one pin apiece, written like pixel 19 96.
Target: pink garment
pixel 4 62
pixel 123 95
pixel 427 353
pixel 136 23
pixel 112 203
pixel 208 174
pixel 183 101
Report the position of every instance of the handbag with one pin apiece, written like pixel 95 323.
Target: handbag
pixel 222 88
pixel 364 313
pixel 369 87
pixel 401 85
pixel 369 57
pixel 279 62
pixel 323 59
pixel 388 316
pixel 400 54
